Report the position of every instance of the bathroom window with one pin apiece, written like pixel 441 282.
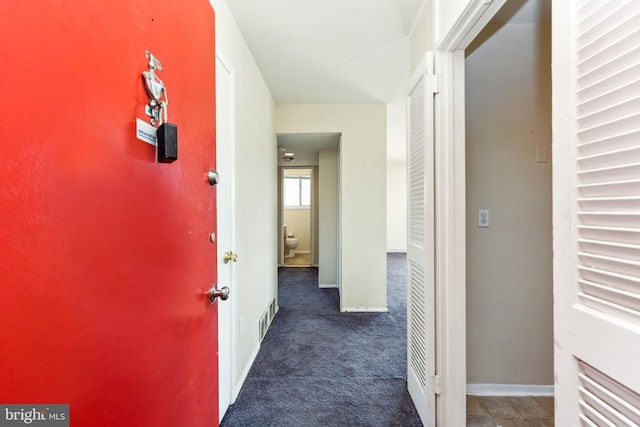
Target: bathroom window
pixel 297 191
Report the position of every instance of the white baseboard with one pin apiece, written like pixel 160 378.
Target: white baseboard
pixel 509 390
pixel 245 372
pixel 364 309
pixel 327 285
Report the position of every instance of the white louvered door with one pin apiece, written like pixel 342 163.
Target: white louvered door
pixel 420 243
pixel 596 186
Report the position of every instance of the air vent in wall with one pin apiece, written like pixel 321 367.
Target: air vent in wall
pixel 272 310
pixel 263 325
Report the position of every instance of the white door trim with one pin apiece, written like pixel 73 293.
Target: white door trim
pixel 471 21
pixel 226 166
pixel 450 183
pixel 450 236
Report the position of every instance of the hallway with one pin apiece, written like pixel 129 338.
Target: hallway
pixel 320 367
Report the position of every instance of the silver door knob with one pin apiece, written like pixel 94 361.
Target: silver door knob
pixel 230 256
pixel 222 293
pixel 213 177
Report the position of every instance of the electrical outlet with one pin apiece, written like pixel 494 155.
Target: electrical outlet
pixel 483 218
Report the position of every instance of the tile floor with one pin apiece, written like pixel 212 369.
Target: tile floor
pixel 303 259
pixel 490 411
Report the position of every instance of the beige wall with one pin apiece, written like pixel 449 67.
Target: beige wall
pixel 255 190
pixel 396 182
pixel 328 219
pixel 396 206
pixel 315 240
pixel 298 221
pixel 509 264
pixel 363 193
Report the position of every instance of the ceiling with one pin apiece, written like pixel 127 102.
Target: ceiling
pixel 306 146
pixel 329 51
pixel 340 51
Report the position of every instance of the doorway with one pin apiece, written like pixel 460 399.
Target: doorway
pixel 509 208
pixel 317 152
pixel 298 210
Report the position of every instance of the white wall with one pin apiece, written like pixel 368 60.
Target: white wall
pixel 396 177
pixel 421 37
pixel 509 264
pixel 363 190
pixel 255 189
pixel 328 219
pixel 298 222
pixel 396 206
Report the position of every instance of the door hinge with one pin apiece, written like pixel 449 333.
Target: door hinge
pixel 436 384
pixel 434 84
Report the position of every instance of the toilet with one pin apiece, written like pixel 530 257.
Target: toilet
pixel 291 243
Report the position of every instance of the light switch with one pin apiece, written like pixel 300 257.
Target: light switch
pixel 483 218
pixel 542 153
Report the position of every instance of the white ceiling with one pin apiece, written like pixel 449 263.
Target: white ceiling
pixel 306 146
pixel 329 51
pixel 340 51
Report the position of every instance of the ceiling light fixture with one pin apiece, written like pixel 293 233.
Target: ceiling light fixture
pixel 288 157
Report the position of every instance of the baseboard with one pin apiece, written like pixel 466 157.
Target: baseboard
pixel 364 309
pixel 509 390
pixel 327 285
pixel 398 251
pixel 245 372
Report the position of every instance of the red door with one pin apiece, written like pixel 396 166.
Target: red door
pixel 105 254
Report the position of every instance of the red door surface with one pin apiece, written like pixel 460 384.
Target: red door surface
pixel 105 254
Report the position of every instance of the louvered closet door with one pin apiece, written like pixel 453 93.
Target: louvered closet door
pixel 420 244
pixel 596 78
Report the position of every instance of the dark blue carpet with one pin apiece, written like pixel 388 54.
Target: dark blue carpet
pixel 320 367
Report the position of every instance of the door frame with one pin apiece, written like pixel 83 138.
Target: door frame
pixel 450 221
pixel 312 213
pixel 229 161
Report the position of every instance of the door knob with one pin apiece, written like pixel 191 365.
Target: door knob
pixel 230 256
pixel 213 177
pixel 222 293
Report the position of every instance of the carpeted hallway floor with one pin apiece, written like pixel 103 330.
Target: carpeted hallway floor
pixel 320 367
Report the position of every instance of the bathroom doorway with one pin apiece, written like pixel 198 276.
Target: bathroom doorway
pixel 298 207
pixel 312 155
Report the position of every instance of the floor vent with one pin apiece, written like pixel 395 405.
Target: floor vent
pixel 263 325
pixel 266 319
